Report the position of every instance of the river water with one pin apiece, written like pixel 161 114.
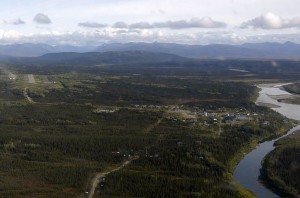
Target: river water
pixel 248 170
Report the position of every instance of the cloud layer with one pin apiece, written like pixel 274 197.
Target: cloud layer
pixel 205 22
pixel 110 35
pixel 193 31
pixel 271 21
pixel 41 18
pixel 116 35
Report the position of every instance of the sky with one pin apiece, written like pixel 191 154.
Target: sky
pixel 94 22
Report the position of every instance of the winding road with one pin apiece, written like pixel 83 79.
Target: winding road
pixel 97 178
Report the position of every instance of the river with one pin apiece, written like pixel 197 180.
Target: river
pixel 248 170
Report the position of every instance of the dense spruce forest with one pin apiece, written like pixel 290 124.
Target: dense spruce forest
pixel 62 124
pixel 281 166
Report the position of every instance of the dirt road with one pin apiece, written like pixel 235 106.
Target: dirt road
pixel 31 79
pixel 97 178
pixel 151 127
pixel 25 93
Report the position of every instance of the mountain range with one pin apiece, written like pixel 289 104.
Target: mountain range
pixel 286 50
pixel 94 58
pixel 34 50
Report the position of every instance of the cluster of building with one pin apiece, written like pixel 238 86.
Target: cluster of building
pixel 150 106
pixel 208 117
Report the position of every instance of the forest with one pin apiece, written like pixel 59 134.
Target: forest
pixel 281 167
pixel 72 122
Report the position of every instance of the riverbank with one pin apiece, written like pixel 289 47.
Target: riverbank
pixel 268 105
pixel 280 169
pixel 247 171
pixel 294 90
pixel 280 166
pixel 254 143
pixel 234 163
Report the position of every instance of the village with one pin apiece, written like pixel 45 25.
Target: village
pixel 211 120
pixel 206 117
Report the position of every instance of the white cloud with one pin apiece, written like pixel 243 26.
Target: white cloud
pixel 290 23
pixel 142 25
pixel 92 25
pixel 42 19
pixel 120 24
pixel 167 16
pixel 205 22
pixel 15 22
pixel 10 36
pixel 272 21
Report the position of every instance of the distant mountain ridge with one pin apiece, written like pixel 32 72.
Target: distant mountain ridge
pixel 286 50
pixel 95 58
pixel 34 50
